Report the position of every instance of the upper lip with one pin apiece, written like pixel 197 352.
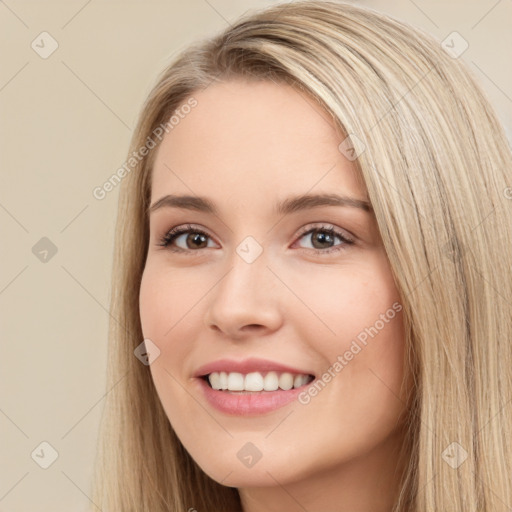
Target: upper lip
pixel 245 366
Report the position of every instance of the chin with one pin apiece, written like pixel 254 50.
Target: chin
pixel 232 471
pixel 262 476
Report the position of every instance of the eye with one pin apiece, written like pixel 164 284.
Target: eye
pixel 322 239
pixel 193 238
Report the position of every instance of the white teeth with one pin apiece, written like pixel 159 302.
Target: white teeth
pixel 235 381
pixel 299 380
pixel 215 380
pixel 256 381
pixel 271 382
pixel 286 381
pixel 223 380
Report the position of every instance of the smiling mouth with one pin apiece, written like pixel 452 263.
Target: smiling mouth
pixel 235 382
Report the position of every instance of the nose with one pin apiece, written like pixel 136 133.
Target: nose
pixel 246 301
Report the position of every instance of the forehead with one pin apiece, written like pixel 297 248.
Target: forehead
pixel 261 137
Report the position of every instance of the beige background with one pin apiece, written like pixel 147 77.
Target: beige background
pixel 65 126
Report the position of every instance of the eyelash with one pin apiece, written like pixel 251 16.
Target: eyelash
pixel 174 233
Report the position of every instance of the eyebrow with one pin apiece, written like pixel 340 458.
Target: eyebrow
pixel 289 205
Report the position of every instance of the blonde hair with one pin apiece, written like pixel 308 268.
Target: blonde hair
pixel 435 162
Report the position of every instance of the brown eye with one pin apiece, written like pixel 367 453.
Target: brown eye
pixel 196 241
pixel 323 239
pixel 192 238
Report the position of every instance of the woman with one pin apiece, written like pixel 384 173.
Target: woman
pixel 312 299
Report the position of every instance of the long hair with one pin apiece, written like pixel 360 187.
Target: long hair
pixel 438 170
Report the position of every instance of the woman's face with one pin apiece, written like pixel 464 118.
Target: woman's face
pixel 273 287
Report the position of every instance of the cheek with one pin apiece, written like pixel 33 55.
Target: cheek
pixel 163 305
pixel 151 300
pixel 354 313
pixel 170 310
pixel 164 300
pixel 167 300
pixel 340 303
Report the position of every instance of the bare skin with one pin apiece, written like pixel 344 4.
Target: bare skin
pixel 302 302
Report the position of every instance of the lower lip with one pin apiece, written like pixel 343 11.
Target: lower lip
pixel 248 403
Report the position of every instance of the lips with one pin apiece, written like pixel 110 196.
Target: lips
pixel 246 397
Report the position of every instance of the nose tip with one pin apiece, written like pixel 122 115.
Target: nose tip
pixel 245 301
